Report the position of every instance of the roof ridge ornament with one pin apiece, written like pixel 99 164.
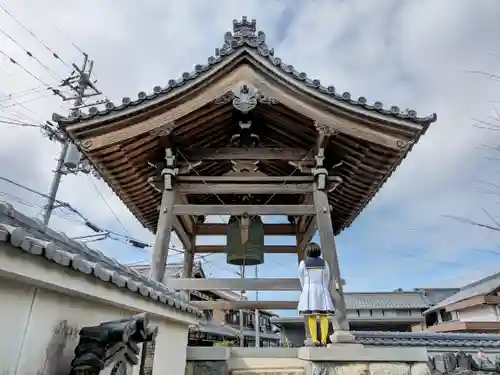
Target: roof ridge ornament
pixel 244 32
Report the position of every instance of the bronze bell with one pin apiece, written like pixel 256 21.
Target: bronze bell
pixel 245 241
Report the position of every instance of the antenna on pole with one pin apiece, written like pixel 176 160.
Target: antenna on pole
pixel 70 159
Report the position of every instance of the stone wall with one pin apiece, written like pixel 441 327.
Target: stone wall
pixel 341 360
pixel 348 359
pixel 310 368
pixel 462 363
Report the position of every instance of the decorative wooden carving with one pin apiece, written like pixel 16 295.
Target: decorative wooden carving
pixel 111 347
pixel 324 129
pixel 163 131
pixel 245 98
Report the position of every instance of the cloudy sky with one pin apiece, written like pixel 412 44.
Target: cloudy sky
pixel 427 55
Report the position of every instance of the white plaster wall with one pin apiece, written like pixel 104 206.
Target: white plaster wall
pixel 30 317
pixel 482 313
pixel 170 351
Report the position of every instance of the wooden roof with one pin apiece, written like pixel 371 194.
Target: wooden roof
pixel 124 142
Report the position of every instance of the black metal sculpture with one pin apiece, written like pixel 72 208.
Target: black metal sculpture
pixel 112 344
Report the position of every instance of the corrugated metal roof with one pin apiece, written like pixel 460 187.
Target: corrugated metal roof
pixel 478 288
pixel 30 236
pixel 386 300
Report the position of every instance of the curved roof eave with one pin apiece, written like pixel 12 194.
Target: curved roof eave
pixel 244 38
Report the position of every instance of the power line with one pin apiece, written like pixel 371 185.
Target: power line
pixel 22 67
pixel 107 233
pixel 109 206
pixel 54 54
pixel 23 124
pixel 31 55
pixel 25 107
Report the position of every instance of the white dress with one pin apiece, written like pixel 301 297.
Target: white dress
pixel 315 297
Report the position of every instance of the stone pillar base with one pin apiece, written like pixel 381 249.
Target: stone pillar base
pixel 342 337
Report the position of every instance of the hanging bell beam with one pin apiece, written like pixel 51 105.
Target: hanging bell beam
pixel 232 209
pixel 242 179
pixel 281 284
pixel 239 188
pixel 269 229
pixel 269 249
pixel 240 153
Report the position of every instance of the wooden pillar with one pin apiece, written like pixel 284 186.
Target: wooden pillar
pixel 327 239
pixel 165 221
pixel 329 252
pixel 188 263
pixel 187 271
pixel 299 239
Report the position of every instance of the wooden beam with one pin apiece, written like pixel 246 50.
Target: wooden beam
pixel 234 284
pixel 228 209
pixel 469 302
pixel 258 153
pixel 492 300
pixel 225 188
pixel 308 234
pixel 242 179
pixel 245 305
pixel 181 233
pixel 269 249
pixel 269 229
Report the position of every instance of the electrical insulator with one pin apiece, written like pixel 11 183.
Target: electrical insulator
pixel 73 157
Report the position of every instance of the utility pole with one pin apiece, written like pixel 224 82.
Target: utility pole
pixel 81 86
pixel 242 314
pixel 257 315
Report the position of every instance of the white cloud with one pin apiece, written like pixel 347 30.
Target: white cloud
pixel 410 54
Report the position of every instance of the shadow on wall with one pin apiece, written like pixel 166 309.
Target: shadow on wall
pixel 59 352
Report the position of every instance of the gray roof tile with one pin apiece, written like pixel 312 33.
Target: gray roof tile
pixel 388 300
pixel 245 35
pixel 478 288
pixel 30 236
pixel 429 339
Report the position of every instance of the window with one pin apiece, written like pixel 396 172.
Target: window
pixel 208 315
pixel 403 312
pixel 233 317
pixel 446 316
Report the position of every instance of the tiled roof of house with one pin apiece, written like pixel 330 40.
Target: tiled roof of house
pixel 246 36
pixel 386 300
pixel 436 295
pixel 30 236
pixel 172 270
pixel 481 287
pixel 429 339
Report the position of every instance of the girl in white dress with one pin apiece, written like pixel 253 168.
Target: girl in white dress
pixel 315 299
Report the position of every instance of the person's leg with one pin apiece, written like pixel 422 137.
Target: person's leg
pixel 323 326
pixel 313 328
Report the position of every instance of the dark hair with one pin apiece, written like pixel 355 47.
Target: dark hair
pixel 313 250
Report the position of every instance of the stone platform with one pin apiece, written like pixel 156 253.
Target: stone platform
pixel 339 359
